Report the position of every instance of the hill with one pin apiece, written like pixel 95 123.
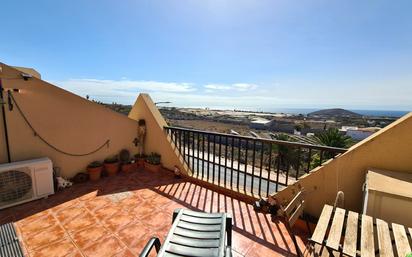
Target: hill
pixel 336 112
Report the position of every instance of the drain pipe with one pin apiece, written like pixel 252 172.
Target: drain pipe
pixel 2 103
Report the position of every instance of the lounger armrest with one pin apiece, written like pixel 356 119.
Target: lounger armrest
pixel 228 252
pixel 229 229
pixel 175 213
pixel 154 241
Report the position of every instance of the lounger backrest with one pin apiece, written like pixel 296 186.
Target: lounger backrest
pixel 196 234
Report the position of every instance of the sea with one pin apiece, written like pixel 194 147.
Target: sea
pixel 304 111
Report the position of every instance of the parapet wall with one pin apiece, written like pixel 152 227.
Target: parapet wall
pixel 388 149
pixel 70 123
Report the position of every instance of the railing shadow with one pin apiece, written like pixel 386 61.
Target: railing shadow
pixel 256 227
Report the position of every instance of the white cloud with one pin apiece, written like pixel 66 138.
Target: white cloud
pixel 217 87
pixel 121 91
pixel 244 87
pixel 124 85
pixel 292 94
pixel 236 86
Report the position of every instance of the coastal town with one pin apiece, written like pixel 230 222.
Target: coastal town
pixel 301 128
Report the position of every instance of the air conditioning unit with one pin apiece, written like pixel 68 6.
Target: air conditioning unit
pixel 25 181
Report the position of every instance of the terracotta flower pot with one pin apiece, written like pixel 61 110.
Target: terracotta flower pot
pixel 111 168
pixel 152 167
pixel 94 173
pixel 128 167
pixel 140 163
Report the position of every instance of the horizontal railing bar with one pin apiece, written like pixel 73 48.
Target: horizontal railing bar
pixel 240 171
pixel 273 141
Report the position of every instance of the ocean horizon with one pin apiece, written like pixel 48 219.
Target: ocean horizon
pixel 385 113
pixel 304 111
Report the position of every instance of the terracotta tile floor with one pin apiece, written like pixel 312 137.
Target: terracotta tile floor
pixel 116 217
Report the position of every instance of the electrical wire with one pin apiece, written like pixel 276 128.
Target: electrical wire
pixel 45 141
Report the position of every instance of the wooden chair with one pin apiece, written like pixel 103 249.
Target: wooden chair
pixel 291 213
pixel 316 250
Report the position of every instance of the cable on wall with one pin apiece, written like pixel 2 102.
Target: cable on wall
pixel 45 141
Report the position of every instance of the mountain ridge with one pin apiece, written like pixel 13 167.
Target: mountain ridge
pixel 335 112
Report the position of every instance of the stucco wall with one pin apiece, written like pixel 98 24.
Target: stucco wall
pixel 388 149
pixel 156 139
pixel 66 120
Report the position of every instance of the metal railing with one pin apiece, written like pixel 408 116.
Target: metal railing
pixel 246 164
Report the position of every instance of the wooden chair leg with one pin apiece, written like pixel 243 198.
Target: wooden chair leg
pixel 305 217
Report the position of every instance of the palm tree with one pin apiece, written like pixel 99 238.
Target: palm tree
pixel 286 155
pixel 332 137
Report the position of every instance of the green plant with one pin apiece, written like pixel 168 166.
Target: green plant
pixel 153 158
pixel 333 137
pixel 124 156
pixel 95 164
pixel 111 159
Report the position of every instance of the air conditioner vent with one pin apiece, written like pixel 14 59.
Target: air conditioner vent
pixel 14 185
pixel 25 181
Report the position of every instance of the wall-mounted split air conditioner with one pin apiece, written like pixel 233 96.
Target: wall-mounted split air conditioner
pixel 25 181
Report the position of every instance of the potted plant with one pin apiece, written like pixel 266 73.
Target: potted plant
pixel 127 165
pixel 153 162
pixel 140 160
pixel 111 165
pixel 95 170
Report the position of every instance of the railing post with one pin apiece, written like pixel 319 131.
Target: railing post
pixel 269 165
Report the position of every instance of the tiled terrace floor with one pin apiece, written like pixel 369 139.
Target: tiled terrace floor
pixel 116 217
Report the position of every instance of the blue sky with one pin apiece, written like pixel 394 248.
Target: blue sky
pixel 224 54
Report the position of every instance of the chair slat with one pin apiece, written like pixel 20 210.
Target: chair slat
pixel 166 254
pixel 196 234
pixel 351 234
pixel 192 251
pixel 336 229
pixel 187 241
pixel 202 214
pixel 401 240
pixel 384 239
pixel 367 239
pixel 201 220
pixel 295 202
pixel 199 227
pixel 296 214
pixel 322 226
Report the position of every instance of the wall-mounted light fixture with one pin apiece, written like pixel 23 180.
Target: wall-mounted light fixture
pixel 26 76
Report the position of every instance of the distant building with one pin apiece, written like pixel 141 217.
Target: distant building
pixel 260 123
pixel 284 126
pixel 358 134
